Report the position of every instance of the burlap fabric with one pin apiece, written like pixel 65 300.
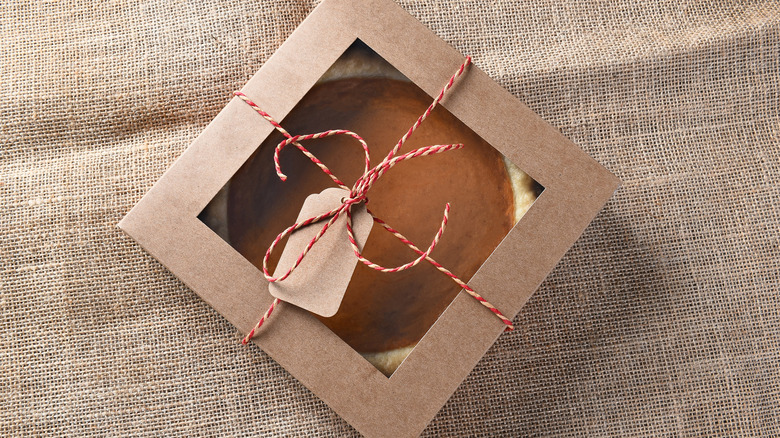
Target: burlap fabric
pixel 662 320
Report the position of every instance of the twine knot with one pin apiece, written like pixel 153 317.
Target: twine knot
pixel 358 193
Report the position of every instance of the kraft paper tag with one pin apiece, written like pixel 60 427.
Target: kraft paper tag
pixel 318 284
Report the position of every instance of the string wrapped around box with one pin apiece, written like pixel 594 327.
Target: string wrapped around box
pixel 358 193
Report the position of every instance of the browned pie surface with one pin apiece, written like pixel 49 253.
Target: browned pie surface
pixel 381 311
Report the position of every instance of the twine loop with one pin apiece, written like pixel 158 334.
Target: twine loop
pixel 358 194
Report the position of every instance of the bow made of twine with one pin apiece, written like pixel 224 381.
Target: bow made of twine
pixel 358 194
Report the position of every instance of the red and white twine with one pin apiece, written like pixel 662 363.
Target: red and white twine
pixel 358 194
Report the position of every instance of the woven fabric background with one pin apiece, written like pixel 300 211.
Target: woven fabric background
pixel 664 318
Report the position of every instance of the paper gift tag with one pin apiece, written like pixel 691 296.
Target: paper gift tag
pixel 318 284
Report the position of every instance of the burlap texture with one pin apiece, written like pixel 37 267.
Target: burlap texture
pixel 664 319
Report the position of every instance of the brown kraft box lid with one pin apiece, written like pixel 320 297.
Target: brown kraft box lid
pixel 165 221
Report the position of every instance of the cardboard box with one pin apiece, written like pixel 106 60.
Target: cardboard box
pixel 165 221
